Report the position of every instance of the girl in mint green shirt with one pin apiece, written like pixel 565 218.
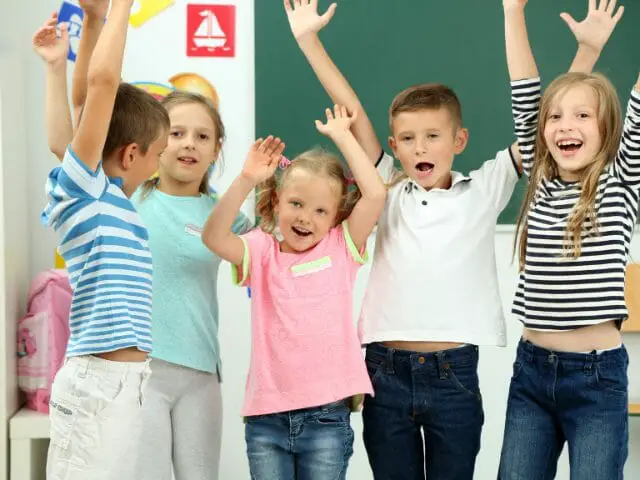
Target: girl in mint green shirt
pixel 185 360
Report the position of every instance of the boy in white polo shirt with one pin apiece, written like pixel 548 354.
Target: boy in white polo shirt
pixel 433 290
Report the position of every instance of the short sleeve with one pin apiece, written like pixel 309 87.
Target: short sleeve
pixel 256 243
pixel 360 257
pixel 70 184
pixel 498 178
pixel 241 224
pixel 386 167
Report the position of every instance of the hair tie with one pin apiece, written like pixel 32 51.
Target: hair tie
pixel 284 162
pixel 350 180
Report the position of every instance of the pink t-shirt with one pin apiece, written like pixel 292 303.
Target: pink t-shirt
pixel 304 347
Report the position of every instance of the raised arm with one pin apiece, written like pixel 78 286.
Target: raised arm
pixel 305 24
pixel 53 49
pixel 627 164
pixel 103 80
pixel 261 163
pixel 525 84
pixel 95 12
pixel 366 212
pixel 593 33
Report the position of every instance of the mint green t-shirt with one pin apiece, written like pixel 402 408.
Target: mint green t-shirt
pixel 185 276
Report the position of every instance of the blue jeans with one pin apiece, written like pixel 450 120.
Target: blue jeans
pixel 308 444
pixel 574 397
pixel 432 394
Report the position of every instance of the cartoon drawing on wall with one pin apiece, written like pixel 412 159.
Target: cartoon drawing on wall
pixel 144 10
pixel 71 15
pixel 211 30
pixel 187 81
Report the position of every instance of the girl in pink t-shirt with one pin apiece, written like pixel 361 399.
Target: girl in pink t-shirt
pixel 306 360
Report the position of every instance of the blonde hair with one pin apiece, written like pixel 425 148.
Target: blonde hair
pixel 583 219
pixel 177 98
pixel 317 161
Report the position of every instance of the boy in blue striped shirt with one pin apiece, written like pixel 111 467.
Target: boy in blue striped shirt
pixel 97 395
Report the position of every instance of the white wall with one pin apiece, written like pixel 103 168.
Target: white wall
pixel 14 222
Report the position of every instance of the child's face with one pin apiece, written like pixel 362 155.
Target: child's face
pixel 426 142
pixel 571 131
pixel 192 145
pixel 306 209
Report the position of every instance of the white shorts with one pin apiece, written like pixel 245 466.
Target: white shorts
pixel 95 412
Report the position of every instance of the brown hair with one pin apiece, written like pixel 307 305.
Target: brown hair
pixel 583 219
pixel 179 97
pixel 427 96
pixel 137 118
pixel 317 161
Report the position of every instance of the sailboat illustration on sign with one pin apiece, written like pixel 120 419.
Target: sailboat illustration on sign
pixel 209 34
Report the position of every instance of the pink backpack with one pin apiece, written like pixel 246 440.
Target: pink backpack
pixel 43 334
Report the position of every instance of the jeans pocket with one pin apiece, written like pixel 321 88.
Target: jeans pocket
pixel 467 383
pixel 517 369
pixel 374 369
pixel 336 413
pixel 612 378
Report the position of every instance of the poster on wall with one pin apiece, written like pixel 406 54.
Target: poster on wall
pixel 211 30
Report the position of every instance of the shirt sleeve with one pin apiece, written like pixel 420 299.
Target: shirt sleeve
pixel 498 178
pixel 525 104
pixel 241 224
pixel 70 184
pixel 386 167
pixel 627 163
pixel 359 257
pixel 255 245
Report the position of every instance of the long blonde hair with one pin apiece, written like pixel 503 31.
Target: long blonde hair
pixel 177 98
pixel 583 219
pixel 317 161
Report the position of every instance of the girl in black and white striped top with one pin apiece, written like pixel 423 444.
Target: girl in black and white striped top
pixel 583 164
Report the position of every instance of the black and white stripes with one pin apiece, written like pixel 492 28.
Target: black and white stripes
pixel 556 292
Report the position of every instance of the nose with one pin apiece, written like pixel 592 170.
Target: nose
pixel 566 124
pixel 189 141
pixel 421 146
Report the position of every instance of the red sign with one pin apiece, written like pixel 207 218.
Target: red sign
pixel 211 30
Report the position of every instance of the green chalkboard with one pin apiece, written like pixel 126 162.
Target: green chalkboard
pixel 383 46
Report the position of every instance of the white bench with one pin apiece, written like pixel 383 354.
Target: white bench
pixel 28 431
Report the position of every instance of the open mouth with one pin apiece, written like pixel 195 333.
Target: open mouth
pixel 425 167
pixel 187 160
pixel 301 232
pixel 570 146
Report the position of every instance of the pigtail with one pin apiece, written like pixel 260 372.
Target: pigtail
pixel 265 202
pixel 351 197
pixel 147 186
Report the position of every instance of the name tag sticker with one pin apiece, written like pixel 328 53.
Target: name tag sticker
pixel 194 230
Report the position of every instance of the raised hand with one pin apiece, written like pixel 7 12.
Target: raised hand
pixel 338 122
pixel 95 8
pixel 51 45
pixel 262 159
pixel 304 19
pixel 594 31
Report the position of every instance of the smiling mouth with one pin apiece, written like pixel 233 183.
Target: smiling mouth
pixel 569 146
pixel 187 160
pixel 301 232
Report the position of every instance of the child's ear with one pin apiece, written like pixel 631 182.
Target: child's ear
pixel 392 145
pixel 129 154
pixel 461 140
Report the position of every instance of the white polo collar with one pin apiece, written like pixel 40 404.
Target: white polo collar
pixel 456 178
